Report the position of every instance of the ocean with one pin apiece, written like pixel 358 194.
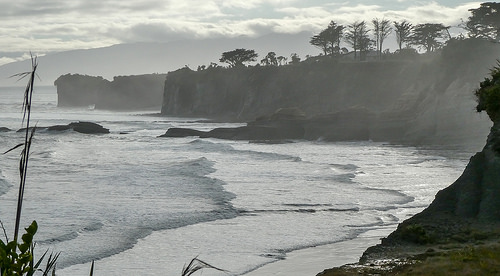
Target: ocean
pixel 138 204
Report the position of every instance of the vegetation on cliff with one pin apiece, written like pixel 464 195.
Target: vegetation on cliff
pixel 488 95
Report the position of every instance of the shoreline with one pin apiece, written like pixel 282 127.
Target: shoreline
pixel 313 260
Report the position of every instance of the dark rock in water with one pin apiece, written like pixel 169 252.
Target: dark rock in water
pixel 30 128
pixel 292 124
pixel 58 128
pixel 4 129
pixel 181 132
pixel 88 128
pixel 82 127
pixel 252 132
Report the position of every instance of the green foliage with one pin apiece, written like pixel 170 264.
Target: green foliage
pixel 17 259
pixel 488 94
pixel 416 233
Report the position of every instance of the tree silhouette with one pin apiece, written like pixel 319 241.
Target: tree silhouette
pixel 238 57
pixel 329 39
pixel 427 35
pixel 269 59
pixel 382 29
pixel 485 22
pixel 357 37
pixel 295 58
pixel 403 30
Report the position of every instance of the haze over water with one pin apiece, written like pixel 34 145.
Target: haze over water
pixel 136 202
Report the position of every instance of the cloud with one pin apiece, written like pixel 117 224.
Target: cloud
pixel 58 25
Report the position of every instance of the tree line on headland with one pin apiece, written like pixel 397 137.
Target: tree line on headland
pixel 484 22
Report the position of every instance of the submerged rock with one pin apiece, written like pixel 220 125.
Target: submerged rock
pixel 4 129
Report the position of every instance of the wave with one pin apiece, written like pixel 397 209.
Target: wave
pixel 4 185
pixel 298 210
pixel 207 146
pixel 74 234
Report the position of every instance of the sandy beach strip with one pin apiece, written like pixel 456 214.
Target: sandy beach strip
pixel 311 261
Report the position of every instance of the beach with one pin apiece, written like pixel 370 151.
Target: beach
pixel 311 261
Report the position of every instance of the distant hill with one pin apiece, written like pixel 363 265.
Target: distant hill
pixel 147 58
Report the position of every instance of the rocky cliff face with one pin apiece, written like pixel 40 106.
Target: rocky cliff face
pixel 426 100
pixel 123 93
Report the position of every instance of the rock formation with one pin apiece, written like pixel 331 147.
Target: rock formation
pixel 292 124
pixel 469 209
pixel 81 127
pixel 421 101
pixel 123 93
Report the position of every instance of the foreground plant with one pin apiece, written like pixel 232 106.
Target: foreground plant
pixel 195 265
pixel 17 257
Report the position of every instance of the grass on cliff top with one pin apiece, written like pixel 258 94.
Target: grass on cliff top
pixel 481 259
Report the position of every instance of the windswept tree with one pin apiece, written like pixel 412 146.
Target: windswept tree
pixel 295 59
pixel 485 22
pixel 403 30
pixel 428 35
pixel 238 57
pixel 329 39
pixel 357 37
pixel 381 29
pixel 270 59
pixel 320 42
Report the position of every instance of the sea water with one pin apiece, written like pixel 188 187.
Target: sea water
pixel 143 205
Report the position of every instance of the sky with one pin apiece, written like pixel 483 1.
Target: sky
pixel 45 26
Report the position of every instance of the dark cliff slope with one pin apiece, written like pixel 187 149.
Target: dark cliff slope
pixel 425 100
pixel 123 93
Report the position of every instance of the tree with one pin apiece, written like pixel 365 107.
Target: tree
pixel 282 60
pixel 320 42
pixel 382 29
pixel 329 39
pixel 403 32
pixel 357 37
pixel 427 35
pixel 269 59
pixel 295 58
pixel 238 57
pixel 488 95
pixel 485 22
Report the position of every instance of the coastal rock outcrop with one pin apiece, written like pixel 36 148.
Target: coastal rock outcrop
pixel 291 124
pixel 81 127
pixel 469 209
pixel 122 93
pixel 422 101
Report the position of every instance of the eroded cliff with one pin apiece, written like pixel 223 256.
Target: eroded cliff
pixel 425 100
pixel 122 93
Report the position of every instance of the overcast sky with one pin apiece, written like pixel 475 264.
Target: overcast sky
pixel 43 26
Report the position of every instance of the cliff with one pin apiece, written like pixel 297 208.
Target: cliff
pixel 423 100
pixel 122 93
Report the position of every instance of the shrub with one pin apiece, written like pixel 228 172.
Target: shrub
pixel 488 94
